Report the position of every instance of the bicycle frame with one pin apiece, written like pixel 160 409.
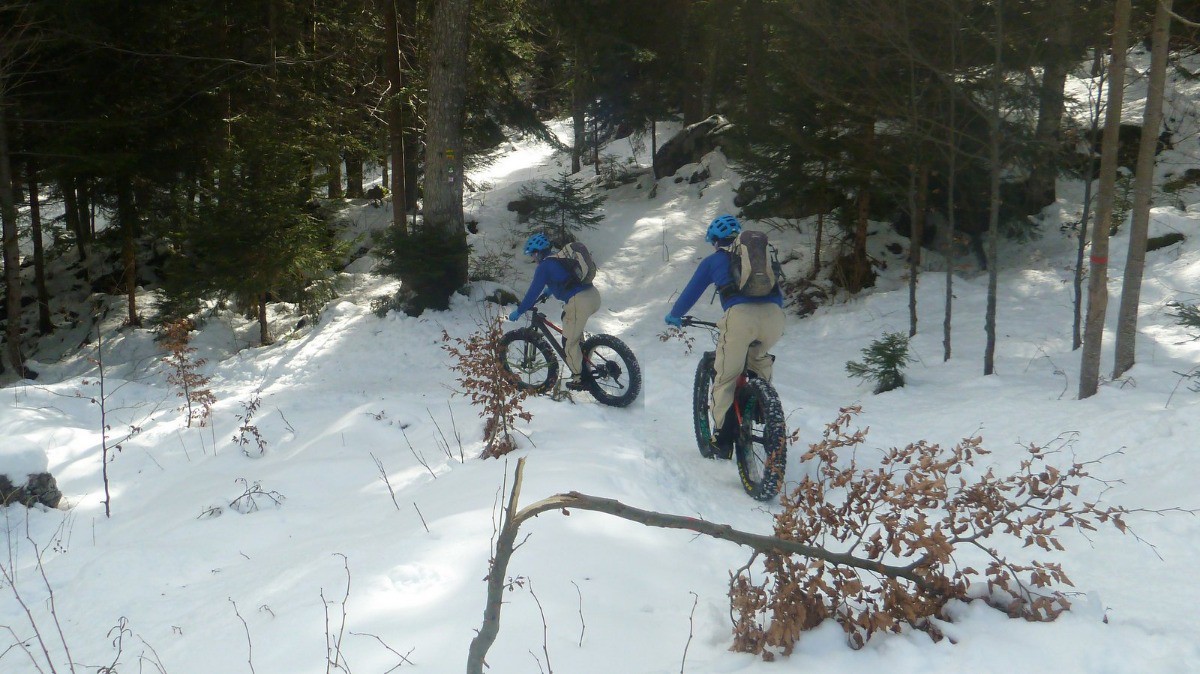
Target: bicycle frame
pixel 550 331
pixel 689 321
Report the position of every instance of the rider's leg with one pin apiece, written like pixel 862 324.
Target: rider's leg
pixel 768 318
pixel 733 343
pixel 575 315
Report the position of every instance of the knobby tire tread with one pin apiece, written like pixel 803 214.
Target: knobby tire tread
pixel 531 336
pixel 630 370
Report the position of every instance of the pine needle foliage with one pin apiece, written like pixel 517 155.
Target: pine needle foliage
pixel 883 362
pixel 920 527
pixel 1187 315
pixel 562 207
pixel 488 385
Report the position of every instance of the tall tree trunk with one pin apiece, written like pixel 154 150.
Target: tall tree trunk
pixel 395 113
pixel 11 248
pixel 754 24
pixel 128 218
pixel 354 175
pixel 444 230
pixel 917 198
pixel 1085 219
pixel 989 321
pixel 1040 189
pixel 1093 330
pixel 12 251
pixel 72 216
pixel 45 327
pixel 334 178
pixel 412 130
pixel 579 101
pixel 654 148
pixel 1143 185
pixel 264 328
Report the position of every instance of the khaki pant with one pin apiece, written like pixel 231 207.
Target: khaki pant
pixel 575 314
pixel 741 325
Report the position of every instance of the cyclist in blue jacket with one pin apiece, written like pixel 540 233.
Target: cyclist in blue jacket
pixel 746 320
pixel 581 300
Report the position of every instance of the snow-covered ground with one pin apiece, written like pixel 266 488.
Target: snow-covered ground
pixel 180 581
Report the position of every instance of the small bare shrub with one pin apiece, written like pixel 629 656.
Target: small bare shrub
pixel 247 431
pixel 192 386
pixel 252 494
pixel 488 385
pixel 915 513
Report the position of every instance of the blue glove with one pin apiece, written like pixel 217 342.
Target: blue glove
pixel 674 320
pixel 516 314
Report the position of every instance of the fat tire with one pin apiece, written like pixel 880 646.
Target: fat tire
pixel 629 368
pixel 761 452
pixel 701 390
pixel 530 338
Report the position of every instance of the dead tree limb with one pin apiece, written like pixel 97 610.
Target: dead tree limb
pixel 511 523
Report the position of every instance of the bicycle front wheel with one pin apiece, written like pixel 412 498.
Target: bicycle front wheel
pixel 701 401
pixel 525 354
pixel 761 445
pixel 610 370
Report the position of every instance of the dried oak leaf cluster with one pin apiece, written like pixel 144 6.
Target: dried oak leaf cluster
pixel 198 399
pixel 896 530
pixel 490 387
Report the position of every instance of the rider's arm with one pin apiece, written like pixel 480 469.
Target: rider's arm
pixel 540 277
pixel 701 279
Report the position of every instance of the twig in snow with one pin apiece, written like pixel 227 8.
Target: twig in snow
pixel 383 476
pixel 249 643
pixel 691 629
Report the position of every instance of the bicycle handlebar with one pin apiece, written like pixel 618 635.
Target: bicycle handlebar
pixel 692 320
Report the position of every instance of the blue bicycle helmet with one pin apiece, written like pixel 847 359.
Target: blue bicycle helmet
pixel 536 243
pixel 724 227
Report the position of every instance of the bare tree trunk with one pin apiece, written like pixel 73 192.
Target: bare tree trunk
pixel 395 113
pixel 264 328
pixel 1040 189
pixel 1077 281
pixel 1093 331
pixel 579 99
pixel 333 174
pixel 45 327
pixel 444 148
pixel 918 191
pixel 127 216
pixel 12 250
pixel 654 148
pixel 989 321
pixel 73 216
pixel 816 265
pixel 354 174
pixel 1143 186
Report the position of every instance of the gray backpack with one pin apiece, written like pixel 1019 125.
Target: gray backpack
pixel 752 266
pixel 578 261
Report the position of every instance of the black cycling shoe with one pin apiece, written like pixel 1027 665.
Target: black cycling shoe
pixel 576 384
pixel 721 444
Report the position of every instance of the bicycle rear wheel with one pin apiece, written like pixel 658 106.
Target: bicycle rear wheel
pixel 701 401
pixel 610 370
pixel 526 354
pixel 761 445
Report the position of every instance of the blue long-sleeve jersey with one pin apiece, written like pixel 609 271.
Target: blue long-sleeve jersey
pixel 714 270
pixel 551 272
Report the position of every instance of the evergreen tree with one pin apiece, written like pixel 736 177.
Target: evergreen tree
pixel 254 237
pixel 883 362
pixel 563 207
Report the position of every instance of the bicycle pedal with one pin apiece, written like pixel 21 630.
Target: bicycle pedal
pixel 560 394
